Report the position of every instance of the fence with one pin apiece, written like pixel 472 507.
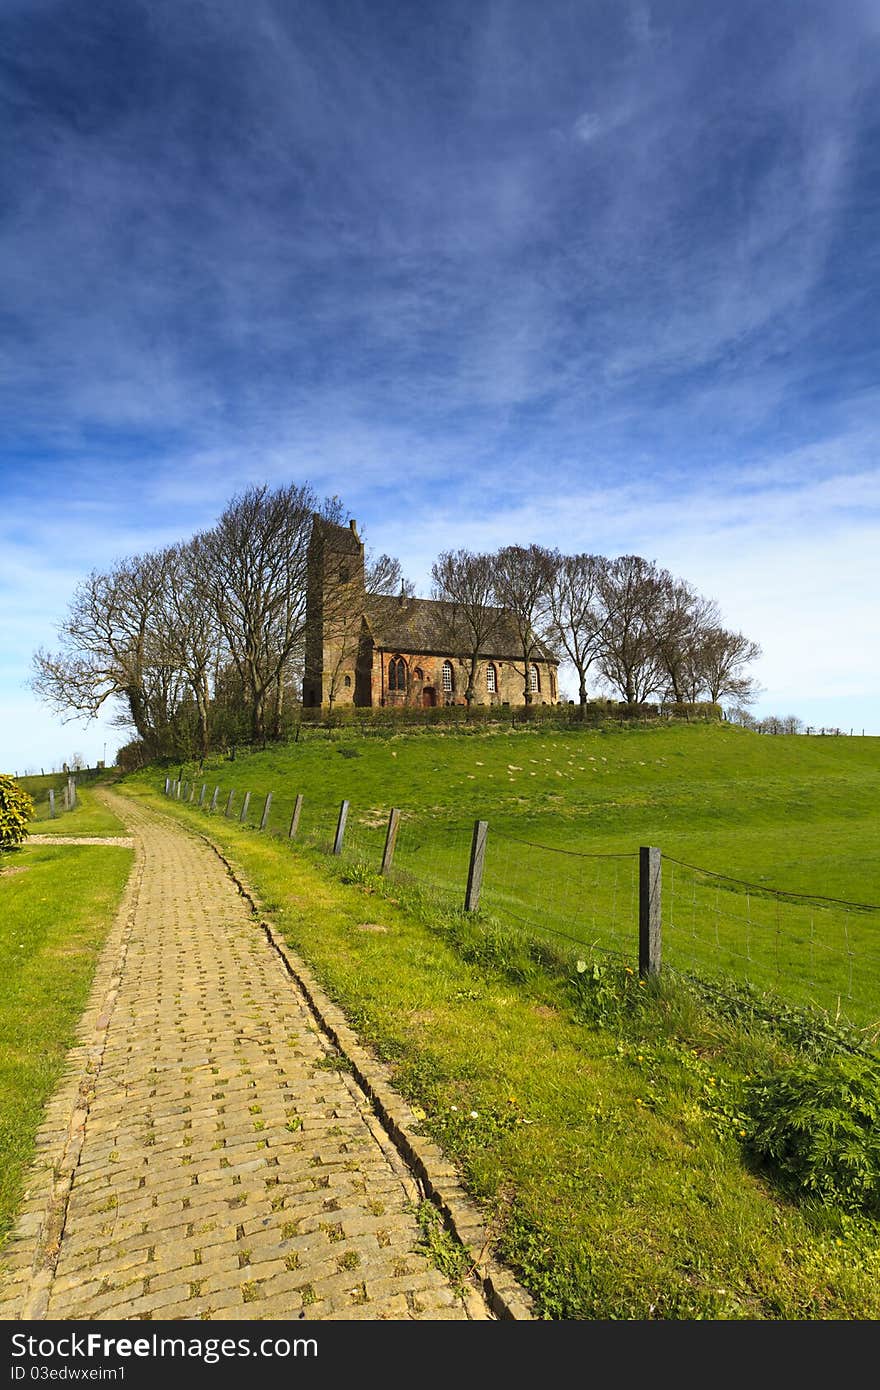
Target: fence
pixel 67 800
pixel 640 906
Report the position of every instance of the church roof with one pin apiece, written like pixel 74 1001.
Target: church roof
pixel 422 625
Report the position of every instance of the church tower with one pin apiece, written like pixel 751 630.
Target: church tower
pixel 335 593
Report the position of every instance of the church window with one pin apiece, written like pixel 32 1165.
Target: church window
pixel 534 679
pixel 491 679
pixel 344 574
pixel 447 677
pixel 397 673
pixel 347 682
pixel 418 674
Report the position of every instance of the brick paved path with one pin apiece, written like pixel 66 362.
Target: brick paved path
pixel 201 1158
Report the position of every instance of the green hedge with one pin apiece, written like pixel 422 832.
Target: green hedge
pixel 16 809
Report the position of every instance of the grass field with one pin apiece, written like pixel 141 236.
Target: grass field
pixel 567 813
pixel 88 817
pixel 56 904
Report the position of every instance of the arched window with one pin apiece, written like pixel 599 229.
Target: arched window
pixel 347 682
pixel 447 678
pixel 418 674
pixel 397 673
pixel 534 679
pixel 344 574
pixel 491 679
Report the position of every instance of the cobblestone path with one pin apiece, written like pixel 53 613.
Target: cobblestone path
pixel 203 1157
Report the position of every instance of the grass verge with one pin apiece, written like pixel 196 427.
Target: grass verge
pixel 56 904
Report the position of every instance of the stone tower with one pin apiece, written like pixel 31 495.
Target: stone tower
pixel 335 594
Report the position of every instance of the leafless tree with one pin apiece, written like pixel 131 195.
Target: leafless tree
pixel 681 622
pixel 576 615
pixel 633 595
pixel 189 627
pixel 522 583
pixel 723 659
pixel 464 582
pixel 111 649
pixel 255 573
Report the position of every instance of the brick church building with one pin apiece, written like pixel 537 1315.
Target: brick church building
pixel 376 650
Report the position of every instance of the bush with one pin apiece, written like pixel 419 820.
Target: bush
pixel 133 756
pixel 816 1127
pixel 16 809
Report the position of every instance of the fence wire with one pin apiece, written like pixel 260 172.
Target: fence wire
pixel 807 948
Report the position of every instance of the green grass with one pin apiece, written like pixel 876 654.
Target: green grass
pixel 598 1120
pixel 56 904
pixel 792 813
pixel 88 817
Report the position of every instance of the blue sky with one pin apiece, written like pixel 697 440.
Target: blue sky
pixel 602 275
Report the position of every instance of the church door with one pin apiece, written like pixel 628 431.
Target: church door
pixel 429 697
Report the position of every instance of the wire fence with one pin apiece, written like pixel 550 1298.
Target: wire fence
pixel 808 949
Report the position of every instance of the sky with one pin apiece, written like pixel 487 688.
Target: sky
pixel 599 275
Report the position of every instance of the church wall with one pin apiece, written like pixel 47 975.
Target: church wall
pixel 424 682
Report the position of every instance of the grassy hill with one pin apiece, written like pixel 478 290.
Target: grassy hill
pixel 683 1148
pixel 795 814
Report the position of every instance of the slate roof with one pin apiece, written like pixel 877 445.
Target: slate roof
pixel 422 625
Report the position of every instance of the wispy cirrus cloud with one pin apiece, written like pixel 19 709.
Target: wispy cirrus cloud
pixel 596 273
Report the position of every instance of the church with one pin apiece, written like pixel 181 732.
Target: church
pixel 370 650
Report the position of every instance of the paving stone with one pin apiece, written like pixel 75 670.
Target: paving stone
pixel 191 1197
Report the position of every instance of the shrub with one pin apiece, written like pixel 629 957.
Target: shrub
pixel 816 1127
pixel 133 756
pixel 16 809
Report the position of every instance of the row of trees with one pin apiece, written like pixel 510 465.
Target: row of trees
pixel 202 643
pixel 626 621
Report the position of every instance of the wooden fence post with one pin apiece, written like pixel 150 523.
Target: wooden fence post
pixel 650 910
pixel 475 868
pixel 294 819
pixel 202 793
pixel 390 840
pixel 167 784
pixel 214 798
pixel 229 802
pixel 265 816
pixel 51 804
pixel 192 791
pixel 244 805
pixel 340 828
pixel 65 798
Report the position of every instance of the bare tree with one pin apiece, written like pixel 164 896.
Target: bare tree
pixel 464 582
pixel 575 612
pixel 633 595
pixel 189 627
pixel 255 573
pixel 110 649
pixel 681 623
pixel 723 658
pixel 522 583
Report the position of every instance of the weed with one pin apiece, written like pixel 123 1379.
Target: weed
pixel 444 1251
